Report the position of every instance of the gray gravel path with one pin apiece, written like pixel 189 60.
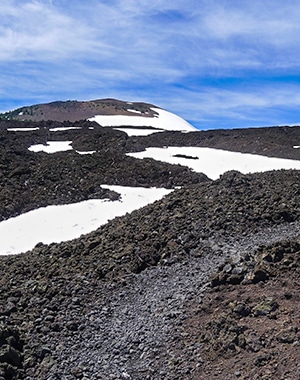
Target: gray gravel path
pixel 131 334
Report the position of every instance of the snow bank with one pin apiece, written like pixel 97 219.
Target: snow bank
pixel 60 223
pixel 214 162
pixel 165 120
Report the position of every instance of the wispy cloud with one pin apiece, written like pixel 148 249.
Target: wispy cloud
pixel 34 30
pixel 214 60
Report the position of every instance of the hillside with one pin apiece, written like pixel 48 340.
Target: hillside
pixel 201 284
pixel 73 110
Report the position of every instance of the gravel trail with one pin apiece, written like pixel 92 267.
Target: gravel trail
pixel 132 332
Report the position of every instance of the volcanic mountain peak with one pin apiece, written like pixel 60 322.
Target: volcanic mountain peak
pixel 106 112
pixel 73 110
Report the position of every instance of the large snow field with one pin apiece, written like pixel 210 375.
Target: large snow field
pixel 165 120
pixel 214 162
pixel 60 223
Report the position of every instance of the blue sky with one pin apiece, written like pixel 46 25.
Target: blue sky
pixel 216 63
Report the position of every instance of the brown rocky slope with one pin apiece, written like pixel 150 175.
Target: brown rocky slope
pixel 73 110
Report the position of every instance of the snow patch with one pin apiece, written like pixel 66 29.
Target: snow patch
pixel 23 129
pixel 52 147
pixel 63 129
pixel 87 152
pixel 139 132
pixel 61 223
pixel 214 162
pixel 134 111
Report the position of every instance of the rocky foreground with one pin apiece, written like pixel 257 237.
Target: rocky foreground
pixel 203 284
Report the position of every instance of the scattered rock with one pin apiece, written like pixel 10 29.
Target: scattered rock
pixel 134 298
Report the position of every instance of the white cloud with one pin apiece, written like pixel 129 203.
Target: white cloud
pixel 135 19
pixel 162 35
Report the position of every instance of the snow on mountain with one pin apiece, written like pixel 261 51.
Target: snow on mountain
pixel 59 223
pixel 163 121
pixel 212 162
